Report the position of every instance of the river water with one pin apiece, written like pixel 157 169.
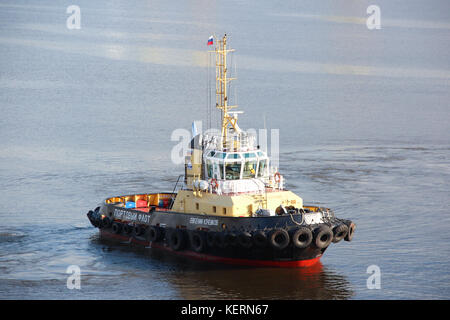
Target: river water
pixel 362 115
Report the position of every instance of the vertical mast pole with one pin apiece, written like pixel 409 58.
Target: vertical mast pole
pixel 221 87
pixel 224 84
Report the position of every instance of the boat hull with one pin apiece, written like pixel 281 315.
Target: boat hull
pixel 209 257
pixel 254 241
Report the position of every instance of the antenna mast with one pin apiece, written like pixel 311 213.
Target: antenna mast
pixel 221 89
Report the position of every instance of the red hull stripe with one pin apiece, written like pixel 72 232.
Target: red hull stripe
pixel 211 258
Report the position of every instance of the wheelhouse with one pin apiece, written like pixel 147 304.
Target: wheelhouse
pixel 236 165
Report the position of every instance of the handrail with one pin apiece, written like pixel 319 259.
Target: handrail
pixel 174 188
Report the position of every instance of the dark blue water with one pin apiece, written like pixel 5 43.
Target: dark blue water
pixel 363 117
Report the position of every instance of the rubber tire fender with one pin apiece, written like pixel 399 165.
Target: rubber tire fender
pixel 302 237
pixel 177 239
pixel 274 239
pixel 245 240
pixel 231 239
pixel 210 239
pixel 197 240
pixel 339 232
pixel 154 233
pixel 106 222
pixel 127 229
pixel 259 238
pixel 351 230
pixel 139 230
pixel 219 240
pixel 89 215
pixel 116 227
pixel 323 237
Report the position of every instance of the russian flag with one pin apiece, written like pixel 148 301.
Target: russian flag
pixel 210 41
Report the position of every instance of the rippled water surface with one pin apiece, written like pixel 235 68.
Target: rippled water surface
pixel 363 118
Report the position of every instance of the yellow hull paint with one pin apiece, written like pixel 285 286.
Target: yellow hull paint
pixel 242 205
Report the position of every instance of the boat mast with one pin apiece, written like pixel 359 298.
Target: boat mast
pixel 221 88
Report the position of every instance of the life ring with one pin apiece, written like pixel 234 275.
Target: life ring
pixel 214 183
pixel 245 240
pixel 198 242
pixel 351 230
pixel 177 240
pixel 155 233
pixel 279 239
pixel 339 232
pixel 277 174
pixel 302 237
pixel 323 237
pixel 260 238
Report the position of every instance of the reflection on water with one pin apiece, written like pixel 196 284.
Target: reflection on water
pixel 243 283
pixel 196 280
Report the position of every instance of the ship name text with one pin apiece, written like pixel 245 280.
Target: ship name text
pixel 131 216
pixel 204 221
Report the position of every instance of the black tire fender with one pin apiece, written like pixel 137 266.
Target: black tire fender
pixel 219 240
pixel 116 227
pixel 139 230
pixel 127 228
pixel 259 238
pixel 155 233
pixel 351 230
pixel 279 239
pixel 245 240
pixel 177 239
pixel 198 241
pixel 106 222
pixel 323 237
pixel 210 239
pixel 302 237
pixel 339 232
pixel 231 239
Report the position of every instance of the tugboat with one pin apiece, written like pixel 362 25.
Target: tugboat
pixel 231 207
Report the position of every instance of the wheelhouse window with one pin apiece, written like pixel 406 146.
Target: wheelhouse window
pixel 209 169
pixel 249 155
pixel 233 156
pixel 232 170
pixel 218 171
pixel 221 170
pixel 220 155
pixel 235 165
pixel 249 169
pixel 249 165
pixel 262 168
